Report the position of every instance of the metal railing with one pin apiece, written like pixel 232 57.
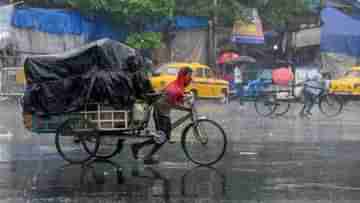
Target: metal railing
pixel 12 81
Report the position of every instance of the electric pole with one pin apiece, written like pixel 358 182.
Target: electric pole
pixel 214 42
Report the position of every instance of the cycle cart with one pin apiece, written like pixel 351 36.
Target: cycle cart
pixel 278 101
pixel 259 92
pixel 99 129
pixel 259 89
pixel 84 135
pixel 272 99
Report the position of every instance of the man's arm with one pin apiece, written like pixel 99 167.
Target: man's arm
pixel 182 108
pixel 186 104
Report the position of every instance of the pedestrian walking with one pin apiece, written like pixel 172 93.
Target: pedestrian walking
pixel 239 85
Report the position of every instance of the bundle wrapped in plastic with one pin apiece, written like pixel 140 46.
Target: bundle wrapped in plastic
pixel 63 83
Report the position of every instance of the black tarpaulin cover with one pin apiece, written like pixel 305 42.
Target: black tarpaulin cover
pixel 64 82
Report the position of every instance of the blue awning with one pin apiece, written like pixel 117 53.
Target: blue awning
pixel 340 33
pixel 178 23
pixel 57 21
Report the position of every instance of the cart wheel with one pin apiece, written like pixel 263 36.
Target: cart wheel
pixel 73 136
pixel 282 107
pixel 204 143
pixel 107 148
pixel 331 105
pixel 265 105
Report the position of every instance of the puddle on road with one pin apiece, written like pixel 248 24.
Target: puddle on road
pixel 112 181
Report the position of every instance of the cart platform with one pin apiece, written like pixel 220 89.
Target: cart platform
pixel 104 116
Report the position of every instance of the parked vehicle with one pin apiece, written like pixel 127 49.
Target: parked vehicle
pixel 348 85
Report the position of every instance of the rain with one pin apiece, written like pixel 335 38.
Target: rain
pixel 270 113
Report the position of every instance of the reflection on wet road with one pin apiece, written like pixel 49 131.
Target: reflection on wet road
pixel 270 160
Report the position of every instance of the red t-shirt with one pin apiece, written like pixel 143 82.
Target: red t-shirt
pixel 174 93
pixel 175 90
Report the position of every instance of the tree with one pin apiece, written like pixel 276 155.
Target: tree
pixel 226 10
pixel 136 14
pixel 146 40
pixel 279 12
pixel 274 12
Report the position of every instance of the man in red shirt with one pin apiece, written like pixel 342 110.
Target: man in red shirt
pixel 174 95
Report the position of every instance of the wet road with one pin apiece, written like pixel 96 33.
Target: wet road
pixel 273 160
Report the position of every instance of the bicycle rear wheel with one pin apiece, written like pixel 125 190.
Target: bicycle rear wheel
pixel 331 105
pixel 204 143
pixel 265 105
pixel 73 137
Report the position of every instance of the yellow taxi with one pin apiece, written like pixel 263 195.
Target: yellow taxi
pixel 204 84
pixel 349 84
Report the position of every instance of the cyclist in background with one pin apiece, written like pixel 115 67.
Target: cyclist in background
pixel 313 86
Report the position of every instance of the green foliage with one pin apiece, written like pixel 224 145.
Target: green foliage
pixel 135 13
pixel 278 12
pixel 140 12
pixel 146 40
pixel 126 11
pixel 275 12
pixel 226 10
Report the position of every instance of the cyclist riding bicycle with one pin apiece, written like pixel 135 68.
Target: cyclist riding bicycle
pixel 173 97
pixel 313 87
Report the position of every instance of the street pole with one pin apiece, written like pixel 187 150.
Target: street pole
pixel 210 43
pixel 214 46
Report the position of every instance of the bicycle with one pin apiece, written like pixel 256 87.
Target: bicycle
pixel 195 136
pixel 330 105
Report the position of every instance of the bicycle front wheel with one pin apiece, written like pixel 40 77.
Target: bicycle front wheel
pixel 204 143
pixel 330 105
pixel 265 105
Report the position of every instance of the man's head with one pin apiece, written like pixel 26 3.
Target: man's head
pixel 133 63
pixel 313 75
pixel 185 76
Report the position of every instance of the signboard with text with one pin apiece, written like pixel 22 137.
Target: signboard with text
pixel 248 31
